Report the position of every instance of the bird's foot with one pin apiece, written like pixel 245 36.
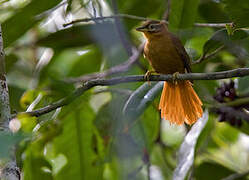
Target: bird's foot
pixel 175 77
pixel 147 76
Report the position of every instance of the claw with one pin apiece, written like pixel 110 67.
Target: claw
pixel 175 77
pixel 147 76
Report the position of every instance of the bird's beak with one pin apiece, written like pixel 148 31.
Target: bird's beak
pixel 142 29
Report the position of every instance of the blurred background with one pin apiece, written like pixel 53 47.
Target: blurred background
pixel 115 132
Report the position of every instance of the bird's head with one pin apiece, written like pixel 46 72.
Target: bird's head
pixel 153 28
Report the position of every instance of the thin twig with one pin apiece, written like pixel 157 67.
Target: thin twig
pixel 240 72
pixel 114 70
pixel 139 18
pixel 207 56
pixel 216 25
pixel 108 17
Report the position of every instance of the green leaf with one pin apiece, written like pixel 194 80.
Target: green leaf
pixel 150 121
pixel 221 37
pixel 240 33
pixel 28 97
pixel 182 14
pixel 218 171
pixel 244 128
pixel 76 143
pixel 15 94
pixel 35 166
pixel 76 36
pixel 206 11
pixel 25 18
pixel 187 149
pixel 243 84
pixel 69 63
pixel 215 41
pixel 87 63
pixel 10 60
pixel 204 138
pixel 104 34
pixel 139 8
pixel 225 133
pixel 27 122
pixel 238 11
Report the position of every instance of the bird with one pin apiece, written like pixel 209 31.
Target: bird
pixel 179 102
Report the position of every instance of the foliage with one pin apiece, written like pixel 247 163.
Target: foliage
pixel 115 132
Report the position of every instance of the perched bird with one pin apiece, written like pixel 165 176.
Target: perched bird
pixel 179 103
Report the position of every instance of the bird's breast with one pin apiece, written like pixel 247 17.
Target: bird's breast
pixel 163 56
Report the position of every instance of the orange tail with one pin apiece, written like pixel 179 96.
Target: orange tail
pixel 179 103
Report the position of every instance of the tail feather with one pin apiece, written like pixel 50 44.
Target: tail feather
pixel 179 103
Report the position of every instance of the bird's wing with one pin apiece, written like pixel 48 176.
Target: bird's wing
pixel 182 52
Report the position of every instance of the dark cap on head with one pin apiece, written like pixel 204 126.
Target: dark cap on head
pixel 151 26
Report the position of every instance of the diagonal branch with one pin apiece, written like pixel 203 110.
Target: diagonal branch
pixel 107 17
pixel 207 56
pixel 240 72
pixel 139 18
pixel 114 70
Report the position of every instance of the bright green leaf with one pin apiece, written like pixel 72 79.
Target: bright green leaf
pixel 35 166
pixel 27 122
pixel 76 143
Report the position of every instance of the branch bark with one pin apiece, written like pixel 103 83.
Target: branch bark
pixel 10 171
pixel 240 72
pixel 139 18
pixel 207 56
pixel 4 94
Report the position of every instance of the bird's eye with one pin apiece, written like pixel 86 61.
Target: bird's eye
pixel 152 26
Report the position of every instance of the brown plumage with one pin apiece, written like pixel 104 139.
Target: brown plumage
pixel 179 103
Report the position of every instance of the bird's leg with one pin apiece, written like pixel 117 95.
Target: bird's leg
pixel 147 76
pixel 175 77
pixel 148 73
